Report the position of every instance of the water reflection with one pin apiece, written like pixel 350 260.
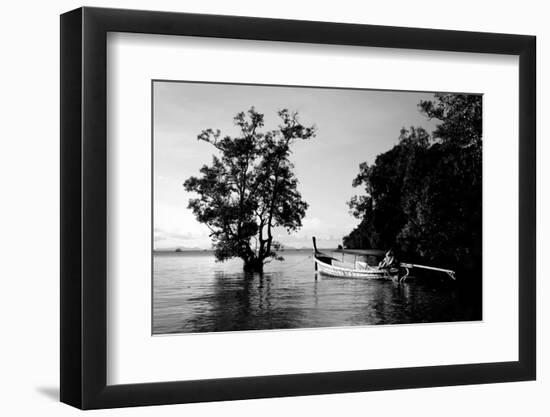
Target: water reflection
pixel 192 293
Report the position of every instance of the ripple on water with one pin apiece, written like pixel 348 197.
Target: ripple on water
pixel 193 293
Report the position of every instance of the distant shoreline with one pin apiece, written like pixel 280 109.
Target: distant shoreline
pixel 205 251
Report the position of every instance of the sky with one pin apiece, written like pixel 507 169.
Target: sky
pixel 353 126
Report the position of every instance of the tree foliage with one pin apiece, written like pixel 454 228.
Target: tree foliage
pixel 250 188
pixel 423 197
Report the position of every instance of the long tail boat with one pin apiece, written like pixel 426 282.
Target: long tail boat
pixel 365 265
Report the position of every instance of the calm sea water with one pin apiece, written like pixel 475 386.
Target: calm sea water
pixel 193 293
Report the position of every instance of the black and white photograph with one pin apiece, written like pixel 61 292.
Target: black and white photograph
pixel 292 207
pixel 275 208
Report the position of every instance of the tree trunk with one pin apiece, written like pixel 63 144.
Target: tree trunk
pixel 253 265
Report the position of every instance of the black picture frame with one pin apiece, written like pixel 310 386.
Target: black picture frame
pixel 84 207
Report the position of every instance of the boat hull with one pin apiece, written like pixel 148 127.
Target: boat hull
pixel 342 272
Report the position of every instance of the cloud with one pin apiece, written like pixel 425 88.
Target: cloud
pixel 311 224
pixel 162 234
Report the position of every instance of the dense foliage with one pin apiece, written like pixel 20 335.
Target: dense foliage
pixel 423 197
pixel 250 188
